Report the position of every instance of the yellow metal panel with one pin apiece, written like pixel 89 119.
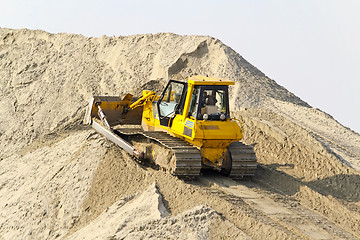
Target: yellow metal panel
pixel 202 80
pixel 187 101
pixel 113 108
pixel 220 129
pixel 184 129
pixel 213 156
pixel 148 120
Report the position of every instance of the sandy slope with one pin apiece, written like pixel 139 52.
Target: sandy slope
pixel 59 179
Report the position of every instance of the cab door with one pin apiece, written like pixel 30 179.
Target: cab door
pixel 171 102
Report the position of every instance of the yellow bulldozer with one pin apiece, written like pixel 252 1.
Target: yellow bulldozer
pixel 184 130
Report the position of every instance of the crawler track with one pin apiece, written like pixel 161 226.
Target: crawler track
pixel 243 160
pixel 187 157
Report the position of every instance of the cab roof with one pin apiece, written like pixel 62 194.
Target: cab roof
pixel 203 80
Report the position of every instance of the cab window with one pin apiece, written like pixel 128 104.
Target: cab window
pixel 194 102
pixel 210 100
pixel 171 100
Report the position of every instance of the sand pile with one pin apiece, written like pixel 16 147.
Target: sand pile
pixel 144 215
pixel 59 179
pixel 41 73
pixel 42 188
pixel 124 215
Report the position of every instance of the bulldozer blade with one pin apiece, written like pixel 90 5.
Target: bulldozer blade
pixel 118 140
pixel 116 110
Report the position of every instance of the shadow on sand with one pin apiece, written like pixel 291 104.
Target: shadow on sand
pixel 343 186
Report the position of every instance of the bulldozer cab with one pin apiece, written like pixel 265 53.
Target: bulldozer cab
pixel 207 102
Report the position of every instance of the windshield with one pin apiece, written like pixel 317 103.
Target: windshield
pixel 213 101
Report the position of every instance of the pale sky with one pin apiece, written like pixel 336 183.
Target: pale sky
pixel 311 47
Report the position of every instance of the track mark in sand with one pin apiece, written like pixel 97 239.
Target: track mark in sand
pixel 287 213
pixel 350 158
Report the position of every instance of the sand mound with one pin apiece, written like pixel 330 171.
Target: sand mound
pixel 124 215
pixel 43 189
pixel 59 179
pixel 47 79
pixel 144 216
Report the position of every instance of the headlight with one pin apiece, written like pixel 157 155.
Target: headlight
pixel 205 116
pixel 222 117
